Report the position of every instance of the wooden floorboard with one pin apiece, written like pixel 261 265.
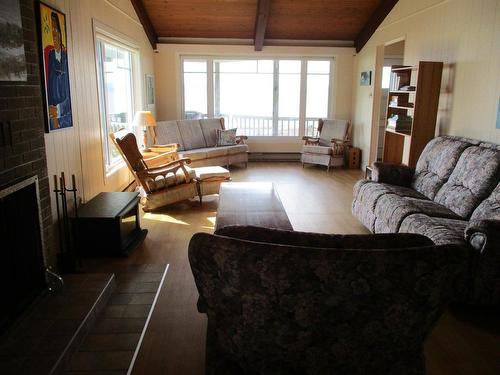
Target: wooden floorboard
pixel 462 343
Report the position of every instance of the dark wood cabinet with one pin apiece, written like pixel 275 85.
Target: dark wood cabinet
pixel 109 224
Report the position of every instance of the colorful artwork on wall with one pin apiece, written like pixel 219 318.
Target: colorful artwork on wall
pixel 12 58
pixel 54 54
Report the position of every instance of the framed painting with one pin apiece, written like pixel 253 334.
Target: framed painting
pixel 54 65
pixel 12 57
pixel 498 114
pixel 366 78
pixel 150 91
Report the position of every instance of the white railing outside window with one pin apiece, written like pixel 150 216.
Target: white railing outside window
pixel 260 97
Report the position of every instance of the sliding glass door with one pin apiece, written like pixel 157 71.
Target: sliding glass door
pixel 259 97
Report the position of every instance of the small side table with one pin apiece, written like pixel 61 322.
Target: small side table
pixel 368 172
pixel 109 224
pixel 354 158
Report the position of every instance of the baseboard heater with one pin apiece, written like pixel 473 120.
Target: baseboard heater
pixel 274 156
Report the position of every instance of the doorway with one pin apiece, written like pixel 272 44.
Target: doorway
pixel 387 55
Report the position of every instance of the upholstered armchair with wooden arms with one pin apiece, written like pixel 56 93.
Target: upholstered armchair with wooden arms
pixel 162 176
pixel 330 146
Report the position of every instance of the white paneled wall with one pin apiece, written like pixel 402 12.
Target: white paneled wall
pixel 465 35
pixel 79 150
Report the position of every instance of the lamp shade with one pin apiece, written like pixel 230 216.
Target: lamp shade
pixel 144 119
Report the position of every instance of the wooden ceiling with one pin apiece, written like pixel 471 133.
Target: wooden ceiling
pixel 350 22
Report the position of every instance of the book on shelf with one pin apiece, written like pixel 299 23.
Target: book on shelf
pixel 400 123
pixel 394 82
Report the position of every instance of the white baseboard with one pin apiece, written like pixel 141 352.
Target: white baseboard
pixel 274 156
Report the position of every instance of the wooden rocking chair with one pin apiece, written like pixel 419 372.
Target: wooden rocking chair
pixel 163 177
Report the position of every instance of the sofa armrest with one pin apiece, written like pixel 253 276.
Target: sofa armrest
pixel 164 148
pixel 483 234
pixel 394 174
pixel 484 237
pixel 334 241
pixel 240 139
pixel 310 141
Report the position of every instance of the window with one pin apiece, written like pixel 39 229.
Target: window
pixel 259 97
pixel 195 89
pixel 386 76
pixel 318 88
pixel 115 65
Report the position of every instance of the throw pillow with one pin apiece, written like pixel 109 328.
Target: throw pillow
pixel 226 137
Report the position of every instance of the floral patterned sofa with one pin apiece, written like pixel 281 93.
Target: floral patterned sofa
pixel 452 197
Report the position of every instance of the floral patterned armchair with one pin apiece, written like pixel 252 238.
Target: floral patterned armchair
pixel 282 302
pixel 330 146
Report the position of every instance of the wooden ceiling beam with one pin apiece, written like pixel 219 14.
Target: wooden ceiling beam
pixel 261 23
pixel 374 22
pixel 146 22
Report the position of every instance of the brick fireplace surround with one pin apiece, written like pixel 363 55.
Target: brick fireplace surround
pixel 22 144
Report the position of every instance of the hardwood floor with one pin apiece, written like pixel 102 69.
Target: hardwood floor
pixel 466 341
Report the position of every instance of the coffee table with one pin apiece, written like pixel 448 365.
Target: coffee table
pixel 251 203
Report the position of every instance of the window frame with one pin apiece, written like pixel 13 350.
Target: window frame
pixel 102 34
pixel 209 59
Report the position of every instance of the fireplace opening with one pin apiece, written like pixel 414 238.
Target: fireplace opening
pixel 23 267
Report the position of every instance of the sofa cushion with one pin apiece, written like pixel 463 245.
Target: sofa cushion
pixel 194 154
pixel 325 150
pixel 436 164
pixel 171 179
pixel 208 128
pixel 441 231
pixel 168 132
pixel 225 137
pixel 489 209
pixel 393 209
pixel 368 192
pixel 213 152
pixel 472 180
pixel 235 149
pixel 191 134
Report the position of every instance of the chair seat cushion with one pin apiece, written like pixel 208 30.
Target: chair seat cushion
pixel 392 209
pixel 204 173
pixel 171 179
pixel 197 154
pixel 324 150
pixel 441 231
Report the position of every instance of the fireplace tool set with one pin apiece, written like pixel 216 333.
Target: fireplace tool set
pixel 68 257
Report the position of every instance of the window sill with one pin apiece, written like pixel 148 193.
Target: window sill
pixel 274 139
pixel 112 169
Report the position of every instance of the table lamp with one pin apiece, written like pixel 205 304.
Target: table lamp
pixel 145 120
